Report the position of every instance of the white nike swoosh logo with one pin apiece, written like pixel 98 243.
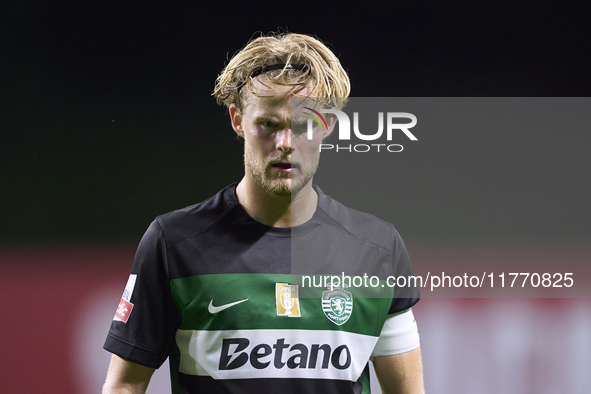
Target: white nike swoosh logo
pixel 215 309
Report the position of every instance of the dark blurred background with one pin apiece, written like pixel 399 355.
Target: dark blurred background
pixel 107 120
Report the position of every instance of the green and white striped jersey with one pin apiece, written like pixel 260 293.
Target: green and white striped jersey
pixel 227 299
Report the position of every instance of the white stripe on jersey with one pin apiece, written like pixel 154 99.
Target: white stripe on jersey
pixel 264 353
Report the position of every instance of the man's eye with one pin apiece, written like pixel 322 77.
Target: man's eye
pixel 270 125
pixel 299 128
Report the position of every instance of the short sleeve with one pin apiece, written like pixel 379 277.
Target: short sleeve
pixel 146 319
pixel 406 293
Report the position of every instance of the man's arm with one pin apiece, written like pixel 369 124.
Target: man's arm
pixel 126 377
pixel 401 373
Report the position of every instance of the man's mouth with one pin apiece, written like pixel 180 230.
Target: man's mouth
pixel 284 166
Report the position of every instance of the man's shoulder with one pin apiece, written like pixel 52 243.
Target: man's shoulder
pixel 198 218
pixel 361 225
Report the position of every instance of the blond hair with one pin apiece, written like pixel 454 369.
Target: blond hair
pixel 320 66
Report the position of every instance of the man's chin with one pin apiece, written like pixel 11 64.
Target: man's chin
pixel 283 187
pixel 279 187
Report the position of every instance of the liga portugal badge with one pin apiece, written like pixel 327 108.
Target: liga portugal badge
pixel 125 306
pixel 337 305
pixel 123 310
pixel 287 300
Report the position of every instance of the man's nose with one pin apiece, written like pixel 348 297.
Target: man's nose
pixel 284 140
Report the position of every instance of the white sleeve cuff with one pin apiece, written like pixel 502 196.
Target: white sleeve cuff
pixel 399 335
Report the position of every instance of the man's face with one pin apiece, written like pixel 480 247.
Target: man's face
pixel 277 153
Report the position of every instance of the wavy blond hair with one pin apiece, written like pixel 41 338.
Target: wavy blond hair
pixel 321 67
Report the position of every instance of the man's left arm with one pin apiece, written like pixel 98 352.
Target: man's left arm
pixel 397 355
pixel 400 373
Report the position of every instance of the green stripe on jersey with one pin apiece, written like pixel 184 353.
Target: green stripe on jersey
pixel 193 296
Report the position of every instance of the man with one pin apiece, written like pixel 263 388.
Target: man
pixel 212 286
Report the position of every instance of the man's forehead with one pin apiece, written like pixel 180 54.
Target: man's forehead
pixel 268 95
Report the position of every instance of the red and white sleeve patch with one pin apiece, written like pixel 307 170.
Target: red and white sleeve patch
pixel 123 311
pixel 125 306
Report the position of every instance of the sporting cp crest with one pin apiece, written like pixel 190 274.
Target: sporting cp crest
pixel 287 300
pixel 337 305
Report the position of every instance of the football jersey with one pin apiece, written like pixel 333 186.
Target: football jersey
pixel 241 307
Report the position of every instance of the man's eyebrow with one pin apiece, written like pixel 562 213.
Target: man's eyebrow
pixel 272 117
pixel 270 114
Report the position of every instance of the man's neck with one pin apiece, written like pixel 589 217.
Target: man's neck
pixel 277 211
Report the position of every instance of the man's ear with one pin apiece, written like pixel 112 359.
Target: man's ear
pixel 331 121
pixel 236 119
